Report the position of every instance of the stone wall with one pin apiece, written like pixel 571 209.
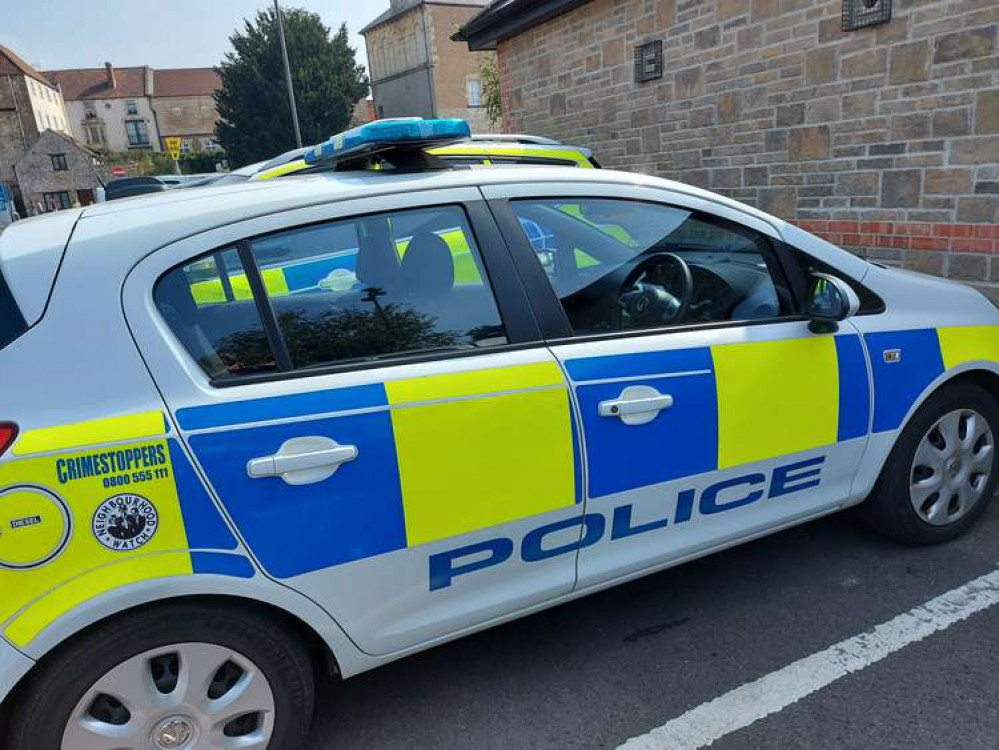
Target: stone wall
pixel 37 176
pixel 885 139
pixel 15 132
pixel 192 118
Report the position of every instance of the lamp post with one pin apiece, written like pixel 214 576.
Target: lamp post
pixel 287 75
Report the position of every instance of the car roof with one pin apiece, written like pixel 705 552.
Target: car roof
pixel 121 233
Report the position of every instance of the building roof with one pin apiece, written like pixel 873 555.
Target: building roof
pixel 401 7
pixel 507 18
pixel 186 82
pixel 11 64
pixel 92 83
pixel 48 135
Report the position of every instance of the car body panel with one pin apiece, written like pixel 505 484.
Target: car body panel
pixel 111 393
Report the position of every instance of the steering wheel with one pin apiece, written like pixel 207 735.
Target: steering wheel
pixel 643 301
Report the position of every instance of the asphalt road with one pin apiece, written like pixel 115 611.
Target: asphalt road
pixel 592 673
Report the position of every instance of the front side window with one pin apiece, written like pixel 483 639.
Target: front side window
pixel 360 290
pixel 138 133
pixel 621 265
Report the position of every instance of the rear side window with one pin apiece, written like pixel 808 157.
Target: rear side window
pixel 12 322
pixel 400 284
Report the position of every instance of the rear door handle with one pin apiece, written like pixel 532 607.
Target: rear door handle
pixel 304 460
pixel 637 405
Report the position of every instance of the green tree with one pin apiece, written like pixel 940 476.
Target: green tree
pixel 255 116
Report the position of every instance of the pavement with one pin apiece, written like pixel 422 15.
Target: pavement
pixel 598 671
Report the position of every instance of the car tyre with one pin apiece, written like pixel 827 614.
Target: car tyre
pixel 933 488
pixel 265 661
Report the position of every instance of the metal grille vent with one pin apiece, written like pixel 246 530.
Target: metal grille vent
pixel 858 14
pixel 649 61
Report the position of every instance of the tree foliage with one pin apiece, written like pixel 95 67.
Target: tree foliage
pixel 255 116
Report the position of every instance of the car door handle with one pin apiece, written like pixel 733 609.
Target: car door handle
pixel 637 405
pixel 304 460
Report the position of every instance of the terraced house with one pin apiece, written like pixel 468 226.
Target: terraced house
pixel 872 122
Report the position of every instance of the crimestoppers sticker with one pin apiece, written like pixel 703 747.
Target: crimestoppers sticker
pixel 125 522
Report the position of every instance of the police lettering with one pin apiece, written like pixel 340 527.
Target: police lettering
pixel 544 542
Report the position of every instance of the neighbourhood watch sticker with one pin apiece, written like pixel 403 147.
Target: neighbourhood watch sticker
pixel 125 522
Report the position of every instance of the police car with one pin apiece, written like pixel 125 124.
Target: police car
pixel 272 429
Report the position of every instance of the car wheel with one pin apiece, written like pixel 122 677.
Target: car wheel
pixel 185 677
pixel 943 471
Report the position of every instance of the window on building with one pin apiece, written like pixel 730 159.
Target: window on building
pixel 131 108
pixel 622 265
pixel 407 283
pixel 185 147
pixel 138 133
pixel 57 201
pixel 210 144
pixel 89 111
pixel 474 85
pixel 95 134
pixel 59 162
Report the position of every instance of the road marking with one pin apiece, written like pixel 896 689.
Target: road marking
pixel 739 708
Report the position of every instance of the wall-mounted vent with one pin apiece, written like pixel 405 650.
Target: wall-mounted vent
pixel 649 61
pixel 859 14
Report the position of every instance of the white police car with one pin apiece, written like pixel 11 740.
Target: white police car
pixel 328 421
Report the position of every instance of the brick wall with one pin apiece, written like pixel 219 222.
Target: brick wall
pixel 36 175
pixel 191 117
pixel 884 140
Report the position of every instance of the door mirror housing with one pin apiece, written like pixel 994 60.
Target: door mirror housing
pixel 830 301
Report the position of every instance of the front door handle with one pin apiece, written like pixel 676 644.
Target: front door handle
pixel 637 405
pixel 304 460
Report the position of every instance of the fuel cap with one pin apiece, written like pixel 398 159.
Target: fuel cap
pixel 34 527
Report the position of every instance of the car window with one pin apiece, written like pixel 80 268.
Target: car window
pixel 12 323
pixel 209 306
pixel 400 283
pixel 622 264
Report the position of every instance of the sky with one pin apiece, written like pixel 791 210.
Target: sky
pixel 179 34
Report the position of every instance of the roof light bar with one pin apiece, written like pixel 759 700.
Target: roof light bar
pixel 381 135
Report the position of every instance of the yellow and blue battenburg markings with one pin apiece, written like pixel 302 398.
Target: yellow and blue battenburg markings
pixel 438 456
pixel 56 551
pixel 727 409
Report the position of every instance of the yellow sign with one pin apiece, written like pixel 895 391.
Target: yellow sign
pixel 173 146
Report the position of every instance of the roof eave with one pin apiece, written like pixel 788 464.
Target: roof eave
pixel 486 30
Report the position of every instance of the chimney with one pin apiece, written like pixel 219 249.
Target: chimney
pixel 109 70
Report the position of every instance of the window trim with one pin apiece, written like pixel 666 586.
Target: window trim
pixel 554 321
pixel 500 276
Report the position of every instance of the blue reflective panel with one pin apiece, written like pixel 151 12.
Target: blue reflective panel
pixel 383 133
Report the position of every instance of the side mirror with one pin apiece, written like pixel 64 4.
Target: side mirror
pixel 830 300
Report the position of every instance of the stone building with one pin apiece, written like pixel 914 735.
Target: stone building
pixel 884 138
pixel 184 104
pixel 29 105
pixel 417 70
pixel 110 108
pixel 56 172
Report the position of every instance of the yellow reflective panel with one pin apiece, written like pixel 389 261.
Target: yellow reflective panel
pixel 969 344
pixel 123 507
pixel 775 398
pixel 514 458
pixel 113 429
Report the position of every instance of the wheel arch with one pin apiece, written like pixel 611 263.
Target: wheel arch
pixel 982 373
pixel 320 632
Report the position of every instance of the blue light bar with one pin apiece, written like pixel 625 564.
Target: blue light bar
pixel 380 135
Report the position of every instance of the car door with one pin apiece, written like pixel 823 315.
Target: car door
pixel 702 426
pixel 366 392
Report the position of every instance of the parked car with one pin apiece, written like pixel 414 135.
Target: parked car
pixel 322 423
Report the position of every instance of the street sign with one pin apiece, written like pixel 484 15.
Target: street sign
pixel 173 146
pixel 119 171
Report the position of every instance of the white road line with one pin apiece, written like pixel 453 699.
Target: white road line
pixel 739 708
